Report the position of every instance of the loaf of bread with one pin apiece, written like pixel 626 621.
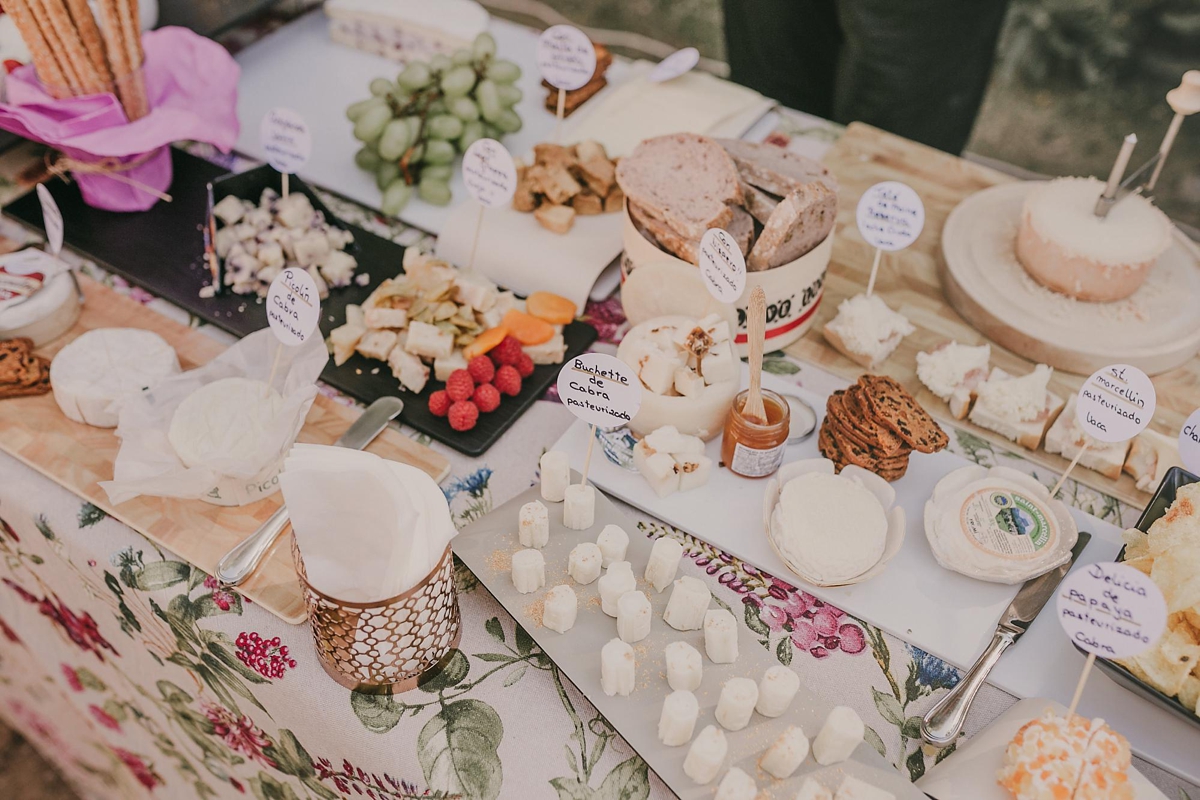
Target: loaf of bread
pixel 683 180
pixel 799 223
pixel 776 169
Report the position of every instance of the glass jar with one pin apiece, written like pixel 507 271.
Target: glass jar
pixel 751 447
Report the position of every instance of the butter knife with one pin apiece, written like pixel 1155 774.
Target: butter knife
pixel 241 562
pixel 944 722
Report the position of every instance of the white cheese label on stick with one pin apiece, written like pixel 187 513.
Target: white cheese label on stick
pixel 52 219
pixel 890 216
pixel 293 306
pixel 566 57
pixel 600 389
pixel 1116 403
pixel 1189 442
pixel 678 63
pixel 722 265
pixel 490 173
pixel 285 139
pixel 1111 610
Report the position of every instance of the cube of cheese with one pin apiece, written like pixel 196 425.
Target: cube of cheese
pixel 429 341
pixel 688 383
pixel 337 267
pixel 271 254
pixel 229 210
pixel 377 317
pixel 655 367
pixel 377 344
pixel 311 248
pixel 474 290
pixel 442 367
pixel 659 471
pixel 666 439
pixel 720 365
pixel 716 327
pixel 693 471
pixel 294 211
pixel 408 369
pixel 551 351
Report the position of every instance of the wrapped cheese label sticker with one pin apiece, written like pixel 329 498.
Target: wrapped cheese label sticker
pixel 678 63
pixel 285 139
pixel 722 265
pixel 600 389
pixel 1111 610
pixel 489 172
pixel 1116 403
pixel 1007 523
pixel 890 216
pixel 566 57
pixel 293 306
pixel 51 219
pixel 1189 442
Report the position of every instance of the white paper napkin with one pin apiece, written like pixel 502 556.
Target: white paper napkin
pixel 368 528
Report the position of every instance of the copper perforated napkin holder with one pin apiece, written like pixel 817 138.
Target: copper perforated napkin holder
pixel 385 647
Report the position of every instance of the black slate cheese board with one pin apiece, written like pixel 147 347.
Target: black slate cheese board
pixel 162 251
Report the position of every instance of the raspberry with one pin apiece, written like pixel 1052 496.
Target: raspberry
pixel 463 415
pixel 439 403
pixel 487 397
pixel 508 381
pixel 481 369
pixel 460 385
pixel 507 352
pixel 524 365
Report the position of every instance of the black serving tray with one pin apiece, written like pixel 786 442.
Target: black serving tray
pixel 1172 482
pixel 162 250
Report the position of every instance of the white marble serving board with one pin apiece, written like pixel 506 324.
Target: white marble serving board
pixel 301 68
pixel 486 546
pixel 971 771
pixel 942 612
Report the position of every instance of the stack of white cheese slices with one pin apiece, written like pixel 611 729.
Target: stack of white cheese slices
pixel 832 529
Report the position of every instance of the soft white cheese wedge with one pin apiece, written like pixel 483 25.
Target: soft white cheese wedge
pixel 528 571
pixel 786 754
pixel 579 507
pixel 618 668
pixel 687 604
pixel 633 617
pixel 583 565
pixel 663 562
pixel 720 637
pixel 706 755
pixel 684 666
pixel 560 608
pixel 776 690
pixel 839 736
pixel 533 525
pixel 678 718
pixel 556 475
pixel 736 785
pixel 616 581
pixel 735 706
pixel 613 541
pixel 104 365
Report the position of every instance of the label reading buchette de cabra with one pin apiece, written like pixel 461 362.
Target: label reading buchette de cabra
pixel 1007 523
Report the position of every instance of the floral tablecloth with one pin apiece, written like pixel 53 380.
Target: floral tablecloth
pixel 139 677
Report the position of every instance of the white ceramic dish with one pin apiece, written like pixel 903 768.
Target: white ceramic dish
pixel 971 770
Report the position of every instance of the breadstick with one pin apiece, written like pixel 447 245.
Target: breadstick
pixel 71 47
pixel 89 33
pixel 131 30
pixel 44 62
pixel 118 56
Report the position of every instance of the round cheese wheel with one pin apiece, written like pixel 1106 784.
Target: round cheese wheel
pixel 45 316
pixel 225 420
pixel 829 528
pixel 105 365
pixel 1064 246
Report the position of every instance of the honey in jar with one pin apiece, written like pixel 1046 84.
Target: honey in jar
pixel 753 448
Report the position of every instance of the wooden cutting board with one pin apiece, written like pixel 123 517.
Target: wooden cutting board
pixel 78 457
pixel 909 281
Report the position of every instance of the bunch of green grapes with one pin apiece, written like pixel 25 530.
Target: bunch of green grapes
pixel 413 128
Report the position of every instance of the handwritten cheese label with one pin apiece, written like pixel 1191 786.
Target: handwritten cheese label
pixel 1116 403
pixel 722 265
pixel 1111 610
pixel 678 63
pixel 600 389
pixel 489 173
pixel 285 140
pixel 1189 443
pixel 293 306
pixel 890 216
pixel 52 219
pixel 566 57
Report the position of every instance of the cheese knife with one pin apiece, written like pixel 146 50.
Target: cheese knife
pixel 241 562
pixel 944 722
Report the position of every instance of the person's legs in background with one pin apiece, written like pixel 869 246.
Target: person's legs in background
pixel 786 49
pixel 918 69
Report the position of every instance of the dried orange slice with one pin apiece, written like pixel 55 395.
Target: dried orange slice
pixel 550 307
pixel 526 328
pixel 485 342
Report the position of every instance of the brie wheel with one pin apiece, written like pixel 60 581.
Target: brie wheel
pixel 225 419
pixel 105 365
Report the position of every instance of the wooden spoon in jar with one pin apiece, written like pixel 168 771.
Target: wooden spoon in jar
pixel 756 324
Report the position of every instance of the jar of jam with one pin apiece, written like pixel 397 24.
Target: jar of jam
pixel 753 448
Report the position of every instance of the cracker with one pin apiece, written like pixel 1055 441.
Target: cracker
pixel 892 405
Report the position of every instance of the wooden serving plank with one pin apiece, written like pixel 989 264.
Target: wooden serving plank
pixel 909 281
pixel 78 457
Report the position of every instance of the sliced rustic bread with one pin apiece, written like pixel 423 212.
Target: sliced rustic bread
pixel 663 235
pixel 774 169
pixel 741 228
pixel 799 223
pixel 684 180
pixel 759 203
